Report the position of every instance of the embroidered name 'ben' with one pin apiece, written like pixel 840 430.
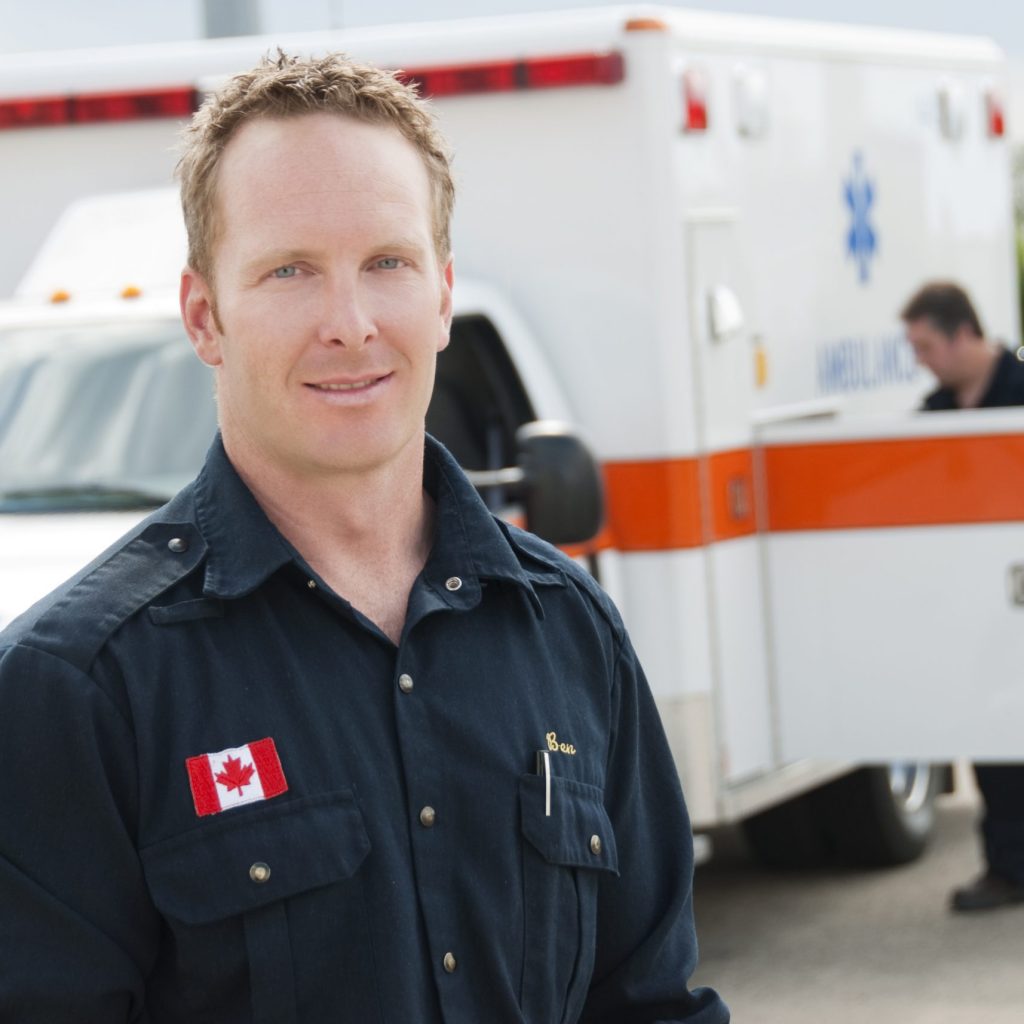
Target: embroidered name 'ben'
pixel 554 745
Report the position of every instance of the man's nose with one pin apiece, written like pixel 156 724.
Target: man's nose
pixel 346 318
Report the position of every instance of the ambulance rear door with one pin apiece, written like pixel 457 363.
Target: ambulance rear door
pixel 895 579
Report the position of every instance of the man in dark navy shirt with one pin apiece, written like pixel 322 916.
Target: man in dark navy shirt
pixel 975 373
pixel 322 740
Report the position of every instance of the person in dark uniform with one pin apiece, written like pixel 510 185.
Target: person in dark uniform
pixel 975 373
pixel 322 739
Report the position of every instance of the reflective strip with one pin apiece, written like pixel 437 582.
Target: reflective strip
pixel 901 482
pixel 672 504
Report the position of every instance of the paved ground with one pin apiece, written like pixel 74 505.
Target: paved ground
pixel 838 947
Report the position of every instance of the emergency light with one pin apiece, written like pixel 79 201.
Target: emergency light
pixel 514 75
pixel 93 108
pixel 695 100
pixel 995 118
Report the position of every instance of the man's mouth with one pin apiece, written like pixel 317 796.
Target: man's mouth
pixel 354 385
pixel 358 386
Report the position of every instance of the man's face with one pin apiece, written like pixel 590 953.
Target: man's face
pixel 328 304
pixel 937 351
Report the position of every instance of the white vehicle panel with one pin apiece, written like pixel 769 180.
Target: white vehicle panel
pixel 742 684
pixel 898 641
pixel 899 644
pixel 39 552
pixel 664 604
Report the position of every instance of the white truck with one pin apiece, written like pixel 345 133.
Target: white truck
pixel 689 236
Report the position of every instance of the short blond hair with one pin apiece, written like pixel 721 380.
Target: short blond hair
pixel 289 86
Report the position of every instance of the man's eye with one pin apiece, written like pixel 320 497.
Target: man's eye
pixel 389 263
pixel 286 272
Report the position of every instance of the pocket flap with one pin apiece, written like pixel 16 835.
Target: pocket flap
pixel 578 833
pixel 234 864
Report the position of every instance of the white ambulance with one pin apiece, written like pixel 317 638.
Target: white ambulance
pixel 687 235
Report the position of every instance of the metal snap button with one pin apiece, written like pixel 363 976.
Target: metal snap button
pixel 311 584
pixel 450 963
pixel 595 845
pixel 405 683
pixel 177 545
pixel 259 872
pixel 453 583
pixel 427 817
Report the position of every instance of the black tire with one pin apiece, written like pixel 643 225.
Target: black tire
pixel 873 817
pixel 882 816
pixel 789 835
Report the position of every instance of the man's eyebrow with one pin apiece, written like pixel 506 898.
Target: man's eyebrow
pixel 404 243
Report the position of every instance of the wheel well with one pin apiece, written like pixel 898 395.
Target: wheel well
pixel 479 400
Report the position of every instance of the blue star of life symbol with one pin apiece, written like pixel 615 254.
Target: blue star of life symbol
pixel 859 193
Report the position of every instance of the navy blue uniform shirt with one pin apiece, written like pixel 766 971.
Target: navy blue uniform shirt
pixel 393 855
pixel 1005 388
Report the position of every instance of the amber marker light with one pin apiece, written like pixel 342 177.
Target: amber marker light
pixel 646 25
pixel 760 366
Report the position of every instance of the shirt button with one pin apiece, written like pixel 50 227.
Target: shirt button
pixel 427 817
pixel 595 845
pixel 453 583
pixel 177 545
pixel 405 683
pixel 450 963
pixel 311 584
pixel 259 872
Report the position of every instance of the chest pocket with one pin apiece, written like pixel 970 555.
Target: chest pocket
pixel 225 890
pixel 565 854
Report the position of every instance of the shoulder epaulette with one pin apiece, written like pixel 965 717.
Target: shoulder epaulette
pixel 533 547
pixel 76 620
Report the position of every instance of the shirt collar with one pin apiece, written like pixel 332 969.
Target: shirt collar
pixel 1002 375
pixel 469 543
pixel 470 546
pixel 245 547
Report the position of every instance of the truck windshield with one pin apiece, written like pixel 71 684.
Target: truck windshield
pixel 110 416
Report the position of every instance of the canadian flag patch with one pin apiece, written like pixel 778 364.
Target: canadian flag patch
pixel 236 776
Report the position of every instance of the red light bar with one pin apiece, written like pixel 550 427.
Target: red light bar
pixel 513 75
pixel 94 108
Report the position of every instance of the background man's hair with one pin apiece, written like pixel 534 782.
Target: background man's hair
pixel 946 304
pixel 288 86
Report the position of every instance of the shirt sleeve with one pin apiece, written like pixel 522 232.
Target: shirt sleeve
pixel 646 943
pixel 78 931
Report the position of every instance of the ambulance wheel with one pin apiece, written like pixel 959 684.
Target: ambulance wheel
pixel 789 835
pixel 882 816
pixel 872 817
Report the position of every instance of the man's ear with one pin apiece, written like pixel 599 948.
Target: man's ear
pixel 199 317
pixel 447 282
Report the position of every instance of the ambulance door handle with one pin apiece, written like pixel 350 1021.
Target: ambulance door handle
pixel 725 314
pixel 1016 580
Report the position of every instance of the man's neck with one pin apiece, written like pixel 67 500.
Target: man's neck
pixel 971 391
pixel 366 534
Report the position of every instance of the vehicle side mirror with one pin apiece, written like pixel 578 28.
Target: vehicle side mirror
pixel 561 487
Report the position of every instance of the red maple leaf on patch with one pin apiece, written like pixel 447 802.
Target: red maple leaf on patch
pixel 233 775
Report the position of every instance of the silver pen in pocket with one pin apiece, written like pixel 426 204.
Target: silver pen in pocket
pixel 544 768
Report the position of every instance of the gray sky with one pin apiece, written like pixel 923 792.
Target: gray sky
pixel 1003 20
pixel 54 24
